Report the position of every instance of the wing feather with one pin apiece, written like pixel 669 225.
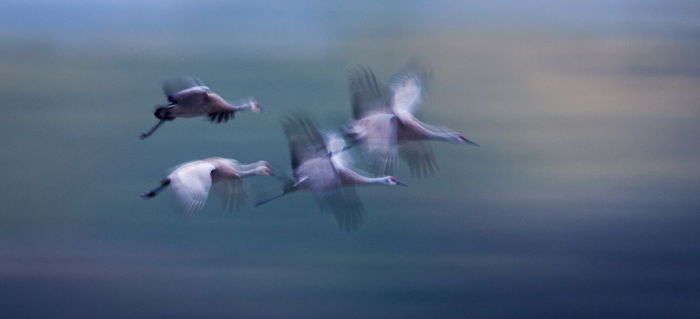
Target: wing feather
pixel 337 149
pixel 304 139
pixel 419 157
pixel 191 183
pixel 366 94
pixel 232 193
pixel 185 90
pixel 344 205
pixel 407 90
pixel 378 137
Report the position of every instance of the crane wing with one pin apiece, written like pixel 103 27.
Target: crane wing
pixel 232 193
pixel 344 205
pixel 336 147
pixel 419 157
pixel 407 90
pixel 365 94
pixel 304 139
pixel 185 90
pixel 191 183
pixel 378 140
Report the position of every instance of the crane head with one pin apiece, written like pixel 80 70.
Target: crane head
pixel 458 138
pixel 265 168
pixel 391 180
pixel 254 106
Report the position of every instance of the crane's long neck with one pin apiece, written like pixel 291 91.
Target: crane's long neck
pixel 249 105
pixel 446 135
pixel 374 180
pixel 436 133
pixel 352 177
pixel 249 166
pixel 443 136
pixel 250 169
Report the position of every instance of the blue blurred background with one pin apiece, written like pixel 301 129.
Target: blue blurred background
pixel 582 202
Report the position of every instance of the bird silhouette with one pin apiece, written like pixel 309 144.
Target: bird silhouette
pixel 191 181
pixel 189 97
pixel 384 122
pixel 320 165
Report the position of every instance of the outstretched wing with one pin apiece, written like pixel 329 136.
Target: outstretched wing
pixel 337 149
pixel 365 94
pixel 407 89
pixel 185 90
pixel 191 183
pixel 232 193
pixel 304 139
pixel 344 205
pixel 419 157
pixel 377 135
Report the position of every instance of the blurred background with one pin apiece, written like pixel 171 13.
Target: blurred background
pixel 583 200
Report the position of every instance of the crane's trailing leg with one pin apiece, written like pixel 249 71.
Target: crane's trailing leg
pixel 163 184
pixel 288 188
pixel 153 129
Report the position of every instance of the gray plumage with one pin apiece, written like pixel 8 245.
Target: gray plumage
pixel 189 97
pixel 319 164
pixel 192 181
pixel 384 124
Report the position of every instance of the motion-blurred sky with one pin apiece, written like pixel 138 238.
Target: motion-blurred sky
pixel 582 202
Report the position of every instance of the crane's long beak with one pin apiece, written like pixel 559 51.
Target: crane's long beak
pixel 468 141
pixel 153 129
pixel 401 184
